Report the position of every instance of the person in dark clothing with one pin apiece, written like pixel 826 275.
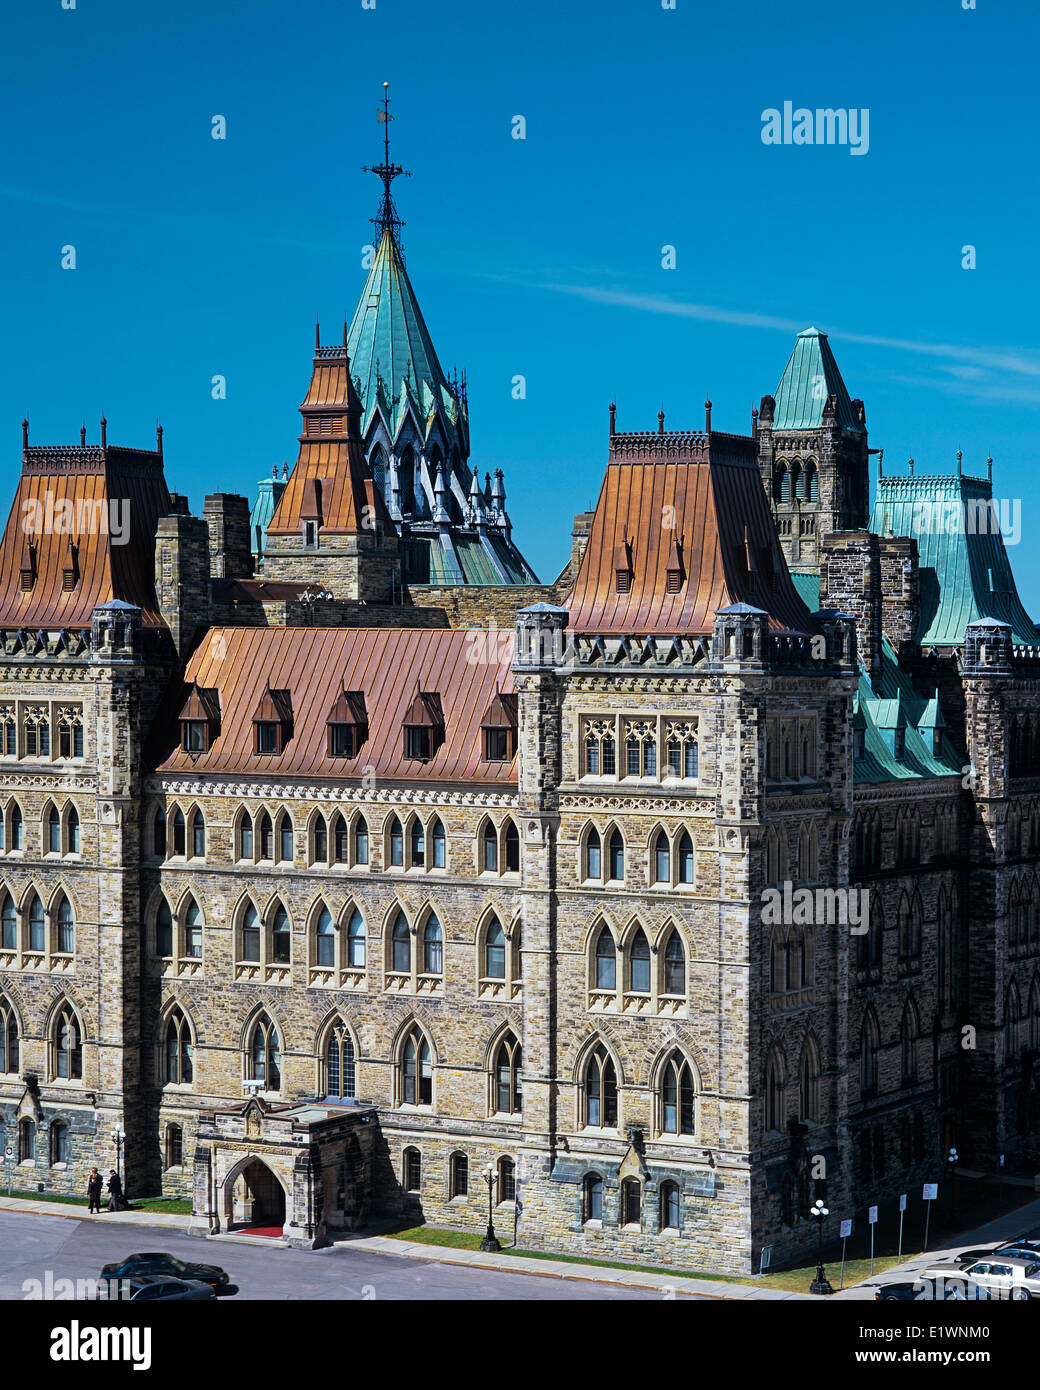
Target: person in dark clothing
pixel 94 1192
pixel 115 1191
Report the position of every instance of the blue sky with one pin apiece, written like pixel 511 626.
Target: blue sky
pixel 539 257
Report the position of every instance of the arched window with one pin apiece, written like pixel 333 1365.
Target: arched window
pixel 325 939
pixel 245 836
pixel 320 833
pixel 418 844
pixel 674 966
pixel 783 483
pixel 178 1056
pixel 37 925
pixel 494 951
pixel 669 1220
pixel 685 858
pixel 639 964
pixel 776 1096
pixel 593 857
pixel 9 1038
pixel 174 1147
pixel 512 848
pixel 339 1063
pixel 67 1043
pixel 164 930
pixel 506 1180
pixel 601 1106
pixel 17 836
pixel 198 835
pixel 508 1077
pixel 356 941
pixel 433 947
pixel 8 924
pixel 73 830
pixel 592 1197
pixel 662 859
pixel 401 946
pixel 159 833
pixel 193 931
pixel 280 937
pixel 459 1176
pixel 341 839
pixel 809 1082
pixel 606 960
pixel 265 1054
pixel 412 1170
pixel 908 1045
pixel 631 1202
pixel 490 848
pixel 361 841
pixel 266 837
pixel 678 1097
pixel 59 1142
pixel 26 1141
pixel 286 852
pixel 396 844
pixel 438 841
pixel 812 482
pixel 53 831
pixel 869 1050
pixel 66 927
pixel 417 1070
pixel 798 479
pixel 617 856
pixel 250 934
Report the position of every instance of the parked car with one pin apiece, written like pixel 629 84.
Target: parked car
pixel 1017 1249
pixel 167 1266
pixel 151 1288
pixel 940 1290
pixel 1004 1274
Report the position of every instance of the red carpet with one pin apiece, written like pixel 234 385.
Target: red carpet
pixel 273 1231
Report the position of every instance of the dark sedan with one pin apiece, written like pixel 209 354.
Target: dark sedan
pixel 1017 1249
pixel 941 1291
pixel 153 1288
pixel 169 1267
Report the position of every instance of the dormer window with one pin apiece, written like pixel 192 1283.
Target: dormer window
pixel 423 726
pixel 310 512
pixel 937 742
pixel 28 567
pixel 623 567
pixel 70 569
pixel 498 729
pixel 200 719
pixel 347 725
pixel 675 573
pixel 272 722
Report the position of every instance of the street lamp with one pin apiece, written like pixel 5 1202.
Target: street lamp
pixel 490 1241
pixel 118 1136
pixel 953 1158
pixel 820 1284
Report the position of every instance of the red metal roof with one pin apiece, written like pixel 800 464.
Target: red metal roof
pixel 702 493
pixel 317 665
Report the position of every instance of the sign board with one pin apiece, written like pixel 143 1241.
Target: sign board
pixel 846 1229
pixel 931 1191
pixel 902 1201
pixel 765 1259
pixel 871 1215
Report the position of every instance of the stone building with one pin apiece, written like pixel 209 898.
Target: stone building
pixel 678 892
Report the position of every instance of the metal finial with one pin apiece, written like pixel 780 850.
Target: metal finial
pixel 960 456
pixel 387 220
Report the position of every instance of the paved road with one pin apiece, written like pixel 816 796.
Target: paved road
pixel 31 1245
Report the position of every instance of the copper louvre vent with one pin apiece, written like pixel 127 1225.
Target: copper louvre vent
pixel 28 566
pixel 347 725
pixel 423 726
pixel 200 719
pixel 272 722
pixel 675 574
pixel 623 567
pixel 498 729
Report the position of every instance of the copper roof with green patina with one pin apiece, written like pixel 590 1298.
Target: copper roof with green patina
pixel 896 708
pixel 811 375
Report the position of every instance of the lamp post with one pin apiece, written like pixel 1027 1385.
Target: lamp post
pixel 118 1136
pixel 952 1158
pixel 490 1241
pixel 820 1284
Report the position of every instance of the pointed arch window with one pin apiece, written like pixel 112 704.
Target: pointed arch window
pixel 495 951
pixel 164 930
pixel 908 1046
pixel 17 836
pixel 617 856
pixel 639 964
pixel 593 858
pixel 251 934
pixel 361 841
pixel 433 947
pixel 8 924
pixel 418 844
pixel 662 859
pixel 67 1045
pixel 193 931
pixel 178 1051
pixel 401 946
pixel 198 835
pixel 438 843
pixel 601 1105
pixel 9 1038
pixel 340 1063
pixel 37 924
pixel 53 831
pixel 286 851
pixel 321 840
pixel 72 825
pixel 341 837
pixel 674 966
pixel 325 939
pixel 159 833
pixel 809 1083
pixel 65 927
pixel 870 1048
pixel 512 848
pixel 356 941
pixel 266 837
pixel 280 937
pixel 396 844
pixel 776 1095
pixel 508 1077
pixel 678 1096
pixel 265 1054
pixel 417 1070
pixel 685 858
pixel 606 960
pixel 490 848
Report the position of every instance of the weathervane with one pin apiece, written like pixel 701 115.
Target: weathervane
pixel 388 219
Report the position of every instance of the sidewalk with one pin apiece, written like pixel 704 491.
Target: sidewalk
pixel 1014 1223
pixel 403 1249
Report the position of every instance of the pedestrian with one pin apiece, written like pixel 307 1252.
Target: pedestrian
pixel 94 1192
pixel 115 1191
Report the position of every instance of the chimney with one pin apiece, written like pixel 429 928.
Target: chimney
pixel 182 575
pixel 227 520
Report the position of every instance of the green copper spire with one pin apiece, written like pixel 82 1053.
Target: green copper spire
pixel 811 375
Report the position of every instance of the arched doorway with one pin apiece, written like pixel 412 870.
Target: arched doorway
pixel 254 1197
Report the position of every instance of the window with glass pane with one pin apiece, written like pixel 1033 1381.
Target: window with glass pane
pixel 417 1070
pixel 662 859
pixel 412 1170
pixel 506 1180
pixel 266 1054
pixel 179 1052
pixel 73 827
pixel 361 841
pixel 193 932
pixel 601 1090
pixel 433 948
pixel 66 928
pixel 593 865
pixel 649 758
pixel 159 833
pixel 606 961
pixel 495 951
pixel 194 735
pixel 677 1094
pixel 339 1064
pixel 341 837
pixel 496 745
pixel 418 845
pixel 11 740
pixel 68 1047
pixel 251 934
pixel 59 1142
pixel 417 744
pixel 631 1202
pixel 37 925
pixel 674 966
pixel 285 835
pixel 593 1197
pixel 669 1206
pixel 401 946
pixel 438 845
pixel 617 856
pixel 53 831
pixel 326 939
pixel 609 759
pixel 691 758
pixel 490 848
pixel 246 836
pixel 321 840
pixel 632 756
pixel 674 758
pixel 198 835
pixel 459 1175
pixel 356 941
pixel 174 1146
pixel 8 924
pixel 280 937
pixel 512 849
pixel 26 1140
pixel 8 1038
pixel 266 736
pixel 592 756
pixel 266 837
pixel 396 843
pixel 640 962
pixel 178 831
pixel 508 1077
pixel 164 930
pixel 685 858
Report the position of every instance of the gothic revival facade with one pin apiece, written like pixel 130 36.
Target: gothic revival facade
pixel 332 885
